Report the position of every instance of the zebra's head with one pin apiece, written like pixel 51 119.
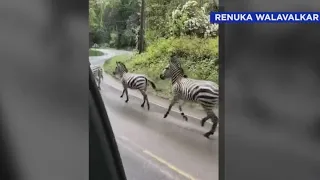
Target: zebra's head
pixel 173 69
pixel 120 69
pixel 166 73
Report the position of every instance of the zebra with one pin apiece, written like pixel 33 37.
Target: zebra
pixel 205 93
pixel 97 72
pixel 133 81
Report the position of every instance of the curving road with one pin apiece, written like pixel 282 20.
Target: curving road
pixel 153 148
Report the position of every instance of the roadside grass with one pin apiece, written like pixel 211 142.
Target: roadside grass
pixel 199 58
pixel 110 65
pixel 163 86
pixel 93 52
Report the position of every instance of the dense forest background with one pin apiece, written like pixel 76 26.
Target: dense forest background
pixel 170 26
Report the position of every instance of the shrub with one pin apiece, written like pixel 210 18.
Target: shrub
pixel 93 52
pixel 198 57
pixel 110 65
pixel 192 19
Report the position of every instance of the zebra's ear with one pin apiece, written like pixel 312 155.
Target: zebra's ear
pixel 175 60
pixel 172 58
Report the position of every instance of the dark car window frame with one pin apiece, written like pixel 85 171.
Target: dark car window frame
pixel 104 161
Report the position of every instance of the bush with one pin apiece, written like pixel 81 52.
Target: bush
pixel 93 52
pixel 192 19
pixel 109 65
pixel 198 57
pixel 99 35
pixel 113 39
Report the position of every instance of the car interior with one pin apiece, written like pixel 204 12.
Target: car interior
pixel 104 158
pixel 105 161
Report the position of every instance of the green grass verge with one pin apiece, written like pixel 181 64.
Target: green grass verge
pixel 110 65
pixel 199 58
pixel 93 52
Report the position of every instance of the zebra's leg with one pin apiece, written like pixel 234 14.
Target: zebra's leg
pixel 214 119
pixel 147 99
pixel 144 97
pixel 181 103
pixel 127 95
pixel 98 85
pixel 173 101
pixel 209 114
pixel 99 82
pixel 122 92
pixel 124 89
pixel 203 120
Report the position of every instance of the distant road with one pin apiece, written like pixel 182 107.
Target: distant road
pixel 108 53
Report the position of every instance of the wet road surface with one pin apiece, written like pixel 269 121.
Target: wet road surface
pixel 153 148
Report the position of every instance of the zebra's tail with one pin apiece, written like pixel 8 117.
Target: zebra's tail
pixel 152 84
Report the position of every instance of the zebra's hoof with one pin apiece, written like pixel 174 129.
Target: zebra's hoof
pixel 121 96
pixel 207 135
pixel 185 118
pixel 202 123
pixel 142 105
pixel 165 115
pixel 126 101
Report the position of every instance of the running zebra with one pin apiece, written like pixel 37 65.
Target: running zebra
pixel 205 93
pixel 97 72
pixel 133 81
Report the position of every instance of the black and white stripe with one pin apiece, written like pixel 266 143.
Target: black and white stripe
pixel 205 93
pixel 133 81
pixel 97 72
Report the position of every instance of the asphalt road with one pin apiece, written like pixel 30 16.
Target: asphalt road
pixel 153 148
pixel 99 60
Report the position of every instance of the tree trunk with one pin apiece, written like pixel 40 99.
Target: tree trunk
pixel 141 33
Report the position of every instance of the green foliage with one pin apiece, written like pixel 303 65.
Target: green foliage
pixel 198 57
pixel 107 17
pixel 110 65
pixel 93 52
pixel 172 18
pixel 113 39
pixel 164 19
pixel 97 11
pixel 192 19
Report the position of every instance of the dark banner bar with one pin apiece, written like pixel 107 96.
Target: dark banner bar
pixel 271 123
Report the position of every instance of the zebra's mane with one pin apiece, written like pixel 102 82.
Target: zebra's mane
pixel 175 61
pixel 184 75
pixel 124 66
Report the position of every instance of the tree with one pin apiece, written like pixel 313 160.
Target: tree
pixel 193 20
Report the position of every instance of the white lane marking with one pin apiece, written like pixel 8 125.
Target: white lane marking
pixel 166 173
pixel 129 141
pixel 216 110
pixel 174 168
pixel 159 159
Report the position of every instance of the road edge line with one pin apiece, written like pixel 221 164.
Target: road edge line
pixel 156 104
pixel 149 161
pixel 172 167
pixel 175 114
